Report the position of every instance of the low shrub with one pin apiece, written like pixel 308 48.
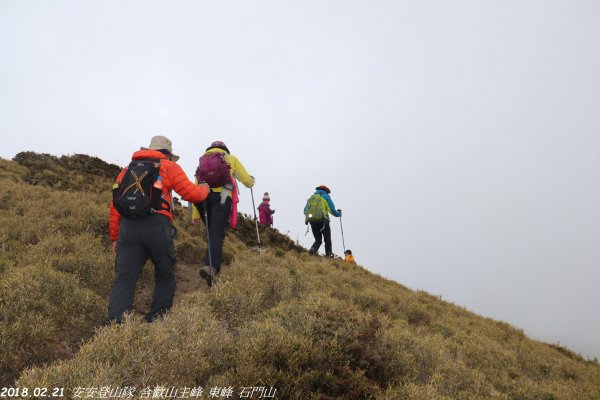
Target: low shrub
pixel 249 288
pixel 83 255
pixel 182 350
pixel 44 314
pixel 13 172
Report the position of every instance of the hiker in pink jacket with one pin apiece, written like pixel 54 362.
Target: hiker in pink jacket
pixel 265 214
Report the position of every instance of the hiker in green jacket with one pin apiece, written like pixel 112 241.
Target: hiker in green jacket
pixel 316 212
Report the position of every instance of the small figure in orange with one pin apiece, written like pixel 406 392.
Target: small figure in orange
pixel 349 257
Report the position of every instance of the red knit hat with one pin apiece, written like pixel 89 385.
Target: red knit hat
pixel 324 188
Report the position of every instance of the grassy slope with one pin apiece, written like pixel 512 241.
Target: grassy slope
pixel 280 319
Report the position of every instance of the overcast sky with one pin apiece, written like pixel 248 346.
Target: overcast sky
pixel 461 139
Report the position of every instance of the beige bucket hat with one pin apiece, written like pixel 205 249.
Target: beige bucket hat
pixel 160 142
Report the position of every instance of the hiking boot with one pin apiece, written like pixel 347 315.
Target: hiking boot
pixel 205 273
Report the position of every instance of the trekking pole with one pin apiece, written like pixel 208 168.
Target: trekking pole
pixel 212 278
pixel 342 228
pixel 255 219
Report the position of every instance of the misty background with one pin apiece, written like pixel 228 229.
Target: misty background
pixel 461 139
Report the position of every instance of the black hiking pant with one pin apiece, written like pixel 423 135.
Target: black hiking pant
pixel 321 231
pixel 140 239
pixel 218 216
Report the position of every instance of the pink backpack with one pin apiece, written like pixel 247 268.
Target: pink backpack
pixel 214 170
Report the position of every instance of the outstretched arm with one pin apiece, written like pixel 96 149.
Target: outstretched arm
pixel 185 188
pixel 240 173
pixel 332 208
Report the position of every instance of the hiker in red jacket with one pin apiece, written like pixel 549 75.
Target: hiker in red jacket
pixel 265 214
pixel 140 230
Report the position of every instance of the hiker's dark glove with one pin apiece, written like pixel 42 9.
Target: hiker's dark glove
pixel 339 211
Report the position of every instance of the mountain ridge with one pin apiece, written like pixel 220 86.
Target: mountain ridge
pixel 280 319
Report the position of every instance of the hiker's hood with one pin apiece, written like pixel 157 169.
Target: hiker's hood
pixel 141 154
pixel 218 145
pixel 212 150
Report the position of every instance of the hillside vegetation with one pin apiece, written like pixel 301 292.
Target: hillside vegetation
pixel 279 318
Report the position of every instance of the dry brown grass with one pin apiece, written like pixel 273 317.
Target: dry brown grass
pixel 275 321
pixel 282 319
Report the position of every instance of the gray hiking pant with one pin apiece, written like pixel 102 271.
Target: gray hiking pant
pixel 140 239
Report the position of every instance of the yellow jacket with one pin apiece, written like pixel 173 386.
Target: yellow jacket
pixel 349 259
pixel 237 171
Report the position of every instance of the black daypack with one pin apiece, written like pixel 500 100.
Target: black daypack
pixel 139 192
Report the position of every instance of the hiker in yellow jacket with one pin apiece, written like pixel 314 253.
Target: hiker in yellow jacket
pixel 220 204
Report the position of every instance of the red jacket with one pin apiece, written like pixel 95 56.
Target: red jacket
pixel 173 178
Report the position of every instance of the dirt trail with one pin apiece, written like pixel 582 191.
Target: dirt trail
pixel 187 279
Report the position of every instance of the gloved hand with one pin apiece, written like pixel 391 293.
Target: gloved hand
pixel 204 184
pixel 340 211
